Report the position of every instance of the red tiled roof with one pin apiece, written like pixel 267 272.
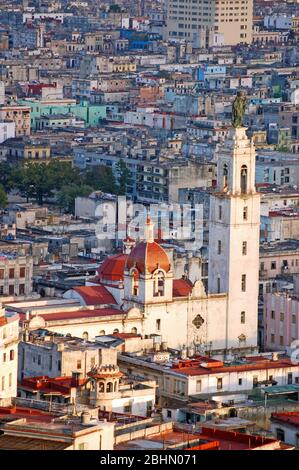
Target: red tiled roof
pixel 261 185
pixel 181 287
pixel 291 418
pixel 126 335
pixel 100 312
pixel 147 257
pixel 113 268
pixel 283 213
pixel 95 295
pixel 196 368
pixel 72 315
pixel 46 384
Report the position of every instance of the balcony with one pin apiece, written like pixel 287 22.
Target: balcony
pixel 263 273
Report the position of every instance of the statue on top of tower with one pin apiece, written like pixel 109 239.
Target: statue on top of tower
pixel 238 111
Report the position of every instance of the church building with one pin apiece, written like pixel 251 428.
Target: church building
pixel 221 322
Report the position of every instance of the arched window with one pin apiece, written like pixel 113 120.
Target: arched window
pixel 225 177
pixel 101 387
pixel 159 284
pixel 109 388
pixel 244 179
pixel 135 282
pixel 116 331
pixel 102 332
pixel 85 336
pixel 134 330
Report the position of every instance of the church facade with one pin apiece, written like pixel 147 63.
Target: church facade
pixel 223 321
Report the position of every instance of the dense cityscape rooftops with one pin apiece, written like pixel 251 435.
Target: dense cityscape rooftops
pixel 149 225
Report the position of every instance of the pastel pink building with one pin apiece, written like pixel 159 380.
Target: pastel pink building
pixel 281 320
pixel 279 258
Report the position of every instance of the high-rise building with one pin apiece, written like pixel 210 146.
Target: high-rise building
pixel 210 22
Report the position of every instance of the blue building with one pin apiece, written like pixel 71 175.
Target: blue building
pixel 207 72
pixel 139 40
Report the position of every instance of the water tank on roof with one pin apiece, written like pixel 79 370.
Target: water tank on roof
pixel 184 353
pixel 85 418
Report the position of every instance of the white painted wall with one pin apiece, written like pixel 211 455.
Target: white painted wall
pixel 7 131
pixel 9 334
pixel 291 435
pixel 232 230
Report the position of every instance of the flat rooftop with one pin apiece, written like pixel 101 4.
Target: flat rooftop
pixel 59 427
pixel 26 443
pixel 204 365
pixel 12 413
pixel 45 338
pixel 278 246
pixel 271 190
pixel 165 440
pixel 200 369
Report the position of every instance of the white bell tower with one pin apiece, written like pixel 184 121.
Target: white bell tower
pixel 234 240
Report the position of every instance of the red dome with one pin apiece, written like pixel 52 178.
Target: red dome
pixel 113 268
pixel 147 257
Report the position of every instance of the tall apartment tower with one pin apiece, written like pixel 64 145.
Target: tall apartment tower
pixel 210 22
pixel 234 239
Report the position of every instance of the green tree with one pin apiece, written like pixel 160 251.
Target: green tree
pixel 34 181
pixel 101 178
pixel 41 180
pixel 3 197
pixel 62 173
pixel 67 195
pixel 6 171
pixel 123 177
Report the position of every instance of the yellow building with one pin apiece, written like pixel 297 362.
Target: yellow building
pixel 295 24
pixel 212 22
pixel 25 149
pixel 20 115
